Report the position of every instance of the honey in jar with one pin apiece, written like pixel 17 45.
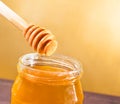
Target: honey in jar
pixel 47 80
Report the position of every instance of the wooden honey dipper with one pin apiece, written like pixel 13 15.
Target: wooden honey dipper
pixel 42 40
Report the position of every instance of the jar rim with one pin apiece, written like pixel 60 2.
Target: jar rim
pixel 72 66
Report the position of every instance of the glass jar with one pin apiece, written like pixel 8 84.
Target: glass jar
pixel 47 80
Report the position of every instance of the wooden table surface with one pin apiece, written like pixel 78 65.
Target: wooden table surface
pixel 90 98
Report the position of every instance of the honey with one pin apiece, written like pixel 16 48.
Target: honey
pixel 47 80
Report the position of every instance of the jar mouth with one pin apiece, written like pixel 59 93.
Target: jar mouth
pixel 67 67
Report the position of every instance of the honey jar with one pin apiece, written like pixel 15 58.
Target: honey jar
pixel 47 80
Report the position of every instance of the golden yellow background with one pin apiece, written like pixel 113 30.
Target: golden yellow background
pixel 88 30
